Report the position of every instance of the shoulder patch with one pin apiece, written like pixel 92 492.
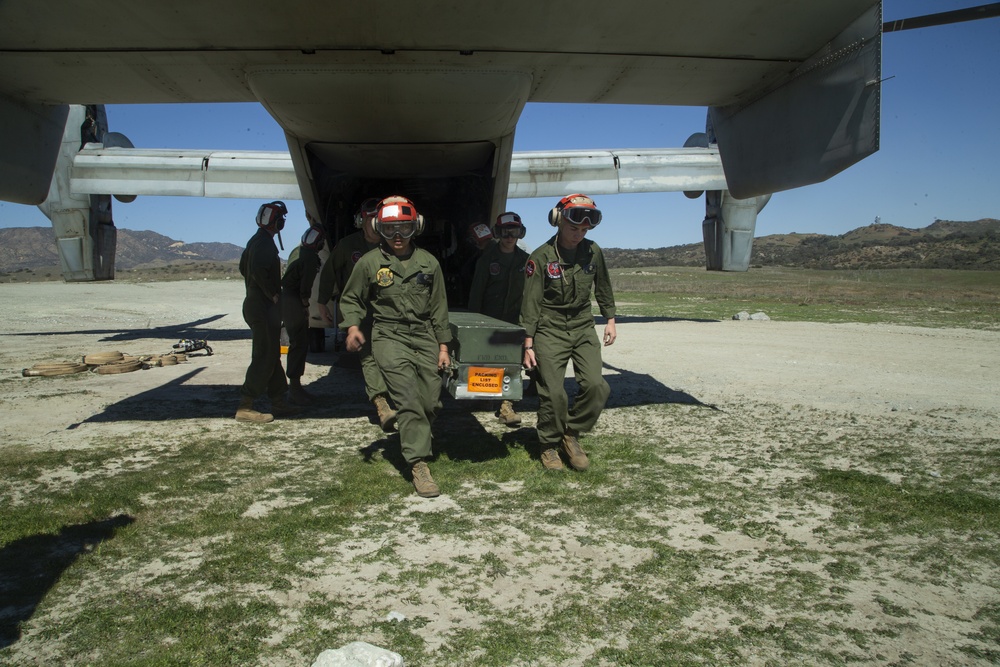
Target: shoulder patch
pixel 356 256
pixel 529 268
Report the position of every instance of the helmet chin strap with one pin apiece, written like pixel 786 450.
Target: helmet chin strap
pixel 280 244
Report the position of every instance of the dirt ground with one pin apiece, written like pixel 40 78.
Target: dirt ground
pixel 885 375
pixel 870 369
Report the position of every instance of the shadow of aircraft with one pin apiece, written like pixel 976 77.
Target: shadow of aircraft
pixel 177 399
pixel 628 389
pixel 194 330
pixel 340 393
pixel 31 565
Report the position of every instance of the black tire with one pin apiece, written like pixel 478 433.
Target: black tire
pixel 317 339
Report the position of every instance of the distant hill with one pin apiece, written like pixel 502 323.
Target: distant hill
pixel 945 244
pixel 35 247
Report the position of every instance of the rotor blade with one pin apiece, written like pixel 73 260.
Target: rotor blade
pixel 927 20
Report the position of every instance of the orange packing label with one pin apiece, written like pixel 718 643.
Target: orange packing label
pixel 485 380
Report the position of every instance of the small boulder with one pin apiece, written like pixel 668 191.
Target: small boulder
pixel 358 654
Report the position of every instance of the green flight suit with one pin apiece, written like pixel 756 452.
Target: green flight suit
pixel 261 270
pixel 409 309
pixel 338 268
pixel 556 313
pixel 498 284
pixel 296 290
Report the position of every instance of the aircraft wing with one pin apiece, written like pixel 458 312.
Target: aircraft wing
pixel 271 175
pixel 422 97
pixel 363 87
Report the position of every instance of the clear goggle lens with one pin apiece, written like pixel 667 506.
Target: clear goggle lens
pixel 582 216
pixel 389 230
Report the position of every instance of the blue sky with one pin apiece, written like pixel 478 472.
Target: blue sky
pixel 939 156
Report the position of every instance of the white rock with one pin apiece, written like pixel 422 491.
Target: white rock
pixel 358 654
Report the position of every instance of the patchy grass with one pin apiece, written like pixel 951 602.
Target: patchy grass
pixel 266 546
pixel 920 297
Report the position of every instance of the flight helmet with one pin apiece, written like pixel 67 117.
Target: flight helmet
pixel 313 238
pixel 271 216
pixel 367 211
pixel 397 215
pixel 508 223
pixel 578 209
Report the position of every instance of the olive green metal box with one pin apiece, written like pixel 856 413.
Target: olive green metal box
pixel 486 355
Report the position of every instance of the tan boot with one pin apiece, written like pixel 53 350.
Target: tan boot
pixel 282 409
pixel 550 459
pixel 246 413
pixel 507 414
pixel 577 458
pixel 423 482
pixel 386 415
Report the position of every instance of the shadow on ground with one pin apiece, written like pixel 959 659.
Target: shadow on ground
pixel 30 566
pixel 194 330
pixel 340 394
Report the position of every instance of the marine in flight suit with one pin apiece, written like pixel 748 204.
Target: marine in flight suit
pixel 403 289
pixel 296 290
pixel 260 267
pixel 556 314
pixel 498 285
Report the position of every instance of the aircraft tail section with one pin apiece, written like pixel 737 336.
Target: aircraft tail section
pixel 728 230
pixel 820 120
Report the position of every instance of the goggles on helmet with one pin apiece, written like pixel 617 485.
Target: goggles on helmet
pixel 272 215
pixel 508 225
pixel 579 215
pixel 367 211
pixel 389 230
pixel 313 238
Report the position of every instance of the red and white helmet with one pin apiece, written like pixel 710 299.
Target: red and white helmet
pixel 507 222
pixel 313 238
pixel 271 216
pixel 398 215
pixel 577 209
pixel 367 211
